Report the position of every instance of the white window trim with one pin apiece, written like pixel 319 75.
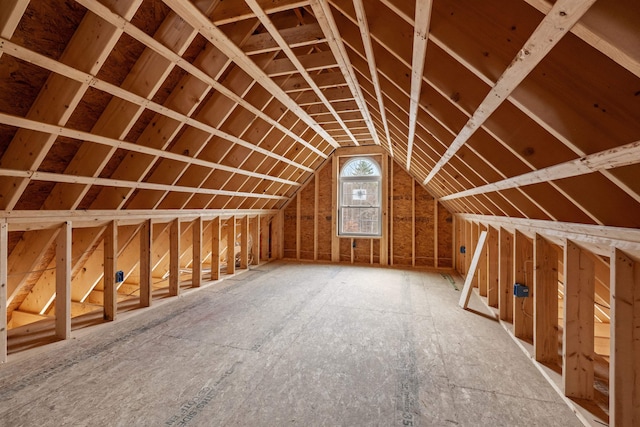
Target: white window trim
pixel 364 178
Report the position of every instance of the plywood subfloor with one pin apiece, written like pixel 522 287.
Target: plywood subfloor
pixel 289 344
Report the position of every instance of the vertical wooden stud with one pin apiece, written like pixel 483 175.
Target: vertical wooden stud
pixel 264 239
pixel 196 269
pixel 435 234
pixel 384 239
pixel 110 267
pixel 505 276
pixel 624 365
pixel 523 274
pixel 493 263
pixel 231 245
pixel 63 282
pixel 215 248
pixel 351 248
pixel 335 240
pixel 482 267
pixel 413 222
pixel 255 241
pixel 244 242
pixel 578 331
pixel 298 225
pixel 545 303
pixel 371 251
pixel 475 232
pixel 146 285
pixel 316 201
pixel 391 212
pixel 277 241
pixel 174 257
pixel 4 255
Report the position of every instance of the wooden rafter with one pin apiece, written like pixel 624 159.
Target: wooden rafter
pixel 296 61
pixel 609 159
pixel 324 17
pixel 420 38
pixel 373 69
pixel 176 59
pixel 556 24
pixel 200 22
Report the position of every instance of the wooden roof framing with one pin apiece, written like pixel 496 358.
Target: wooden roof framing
pixel 521 114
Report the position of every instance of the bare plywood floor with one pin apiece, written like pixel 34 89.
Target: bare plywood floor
pixel 289 344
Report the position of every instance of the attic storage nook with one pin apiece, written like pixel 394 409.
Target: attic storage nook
pixel 159 152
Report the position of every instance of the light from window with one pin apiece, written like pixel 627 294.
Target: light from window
pixel 360 194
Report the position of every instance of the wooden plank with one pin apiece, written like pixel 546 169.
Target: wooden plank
pixel 413 222
pixel 483 279
pixel 196 276
pixel 11 12
pixel 558 22
pixel 384 238
pixel 523 274
pixel 174 257
pixel 197 20
pixel 466 289
pixel 263 255
pixel 146 278
pixel 63 282
pixel 624 155
pixel 435 234
pixel 325 18
pixel 545 303
pixel 420 39
pixel 335 240
pixel 493 266
pixel 215 248
pixel 4 254
pixel 624 363
pixel 244 242
pixel 255 239
pixel 391 194
pixel 578 329
pixel 110 266
pixel 298 229
pixel 505 276
pixel 316 202
pixel 231 245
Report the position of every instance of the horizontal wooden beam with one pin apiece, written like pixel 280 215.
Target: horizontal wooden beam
pixel 597 238
pixel 38 220
pixel 608 159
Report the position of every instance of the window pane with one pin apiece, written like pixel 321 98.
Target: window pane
pixel 357 220
pixel 356 193
pixel 360 167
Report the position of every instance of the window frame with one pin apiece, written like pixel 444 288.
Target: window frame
pixel 364 178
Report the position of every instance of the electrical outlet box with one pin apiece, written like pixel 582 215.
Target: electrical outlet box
pixel 520 291
pixel 119 276
pixel 463 250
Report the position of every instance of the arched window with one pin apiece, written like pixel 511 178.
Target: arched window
pixel 360 198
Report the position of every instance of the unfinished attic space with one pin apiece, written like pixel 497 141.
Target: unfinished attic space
pixel 320 212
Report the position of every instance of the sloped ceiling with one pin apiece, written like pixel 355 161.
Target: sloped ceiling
pixel 522 108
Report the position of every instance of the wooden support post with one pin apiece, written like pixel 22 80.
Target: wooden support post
pixel 4 255
pixel 493 263
pixel 215 248
pixel 351 248
pixel 298 226
pixel 110 267
pixel 578 332
pixel 482 268
pixel 505 276
pixel 255 241
pixel 146 280
pixel 174 257
pixel 63 282
pixel 435 234
pixel 231 245
pixel 523 274
pixel 277 240
pixel 466 290
pixel 384 239
pixel 624 365
pixel 196 269
pixel 468 245
pixel 545 303
pixel 413 222
pixel 475 233
pixel 391 212
pixel 244 242
pixel 264 240
pixel 335 240
pixel 316 201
